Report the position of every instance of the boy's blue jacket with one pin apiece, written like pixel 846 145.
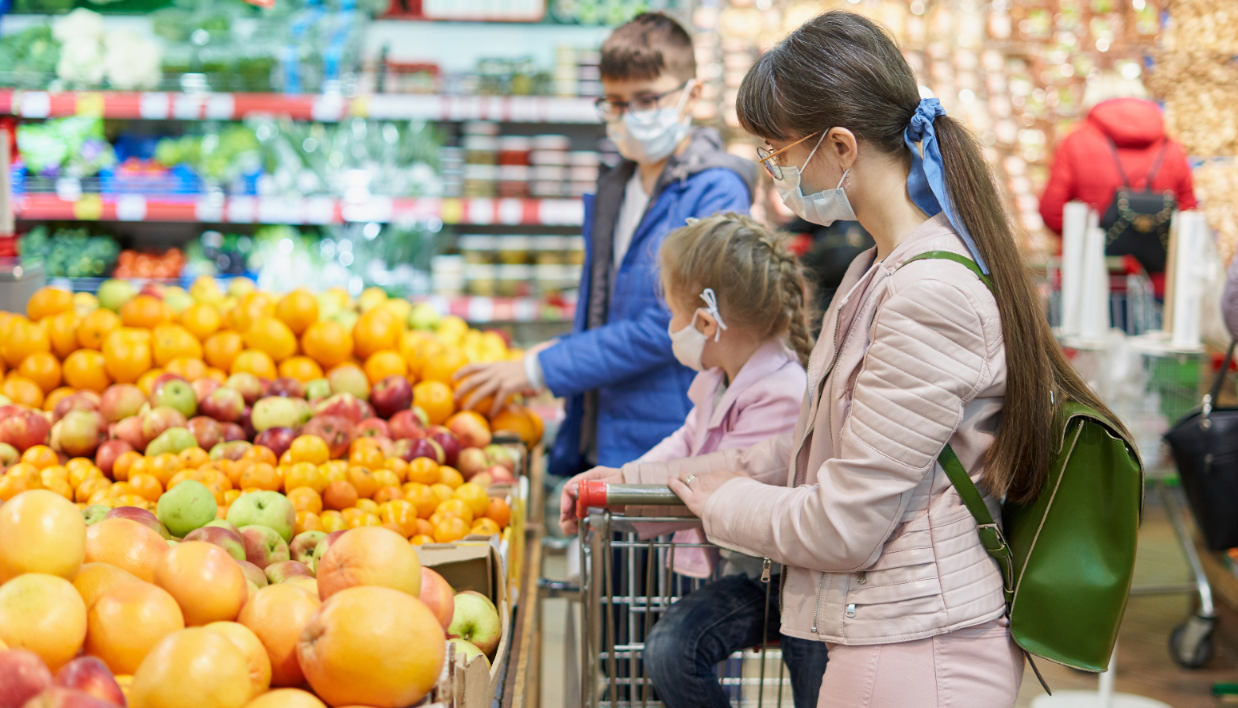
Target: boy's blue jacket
pixel 617 367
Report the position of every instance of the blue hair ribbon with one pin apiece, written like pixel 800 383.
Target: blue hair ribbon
pixel 927 181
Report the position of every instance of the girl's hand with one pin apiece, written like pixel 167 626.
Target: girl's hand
pixel 567 501
pixel 697 492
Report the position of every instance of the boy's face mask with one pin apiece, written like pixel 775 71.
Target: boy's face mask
pixel 651 136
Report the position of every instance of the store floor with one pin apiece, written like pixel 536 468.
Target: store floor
pixel 1144 665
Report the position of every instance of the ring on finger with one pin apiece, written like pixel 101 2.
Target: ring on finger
pixel 689 479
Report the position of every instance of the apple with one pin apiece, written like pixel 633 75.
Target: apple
pixel 390 395
pixel 91 676
pixel 230 450
pixel 248 385
pixel 424 317
pixel 317 389
pixel 206 431
pixel 481 479
pixel 424 447
pixel 253 573
pixel 284 570
pixel 371 427
pixel 8 455
pixel 471 461
pixel 468 651
pixel 406 425
pixel 335 430
pixel 500 474
pixel 163 378
pixel 153 289
pixel 160 419
pixel 469 430
pixel 232 432
pixel 204 387
pixel 223 524
pixel 172 440
pixel 224 405
pixel 447 441
pixel 140 516
pixel 226 539
pixel 345 405
pixel 438 596
pixel 129 431
pixel 349 379
pixel 79 433
pixel 23 675
pixel 500 455
pixel 386 444
pixel 107 453
pixel 277 412
pixel 82 400
pixel 95 513
pixel 302 547
pixel 306 582
pixel 287 387
pixel 114 293
pixel 119 401
pixel 263 546
pixel 176 394
pixel 277 440
pixel 23 428
pixel 476 620
pixel 421 416
pixel 60 697
pixel 269 509
pixel 185 507
pixel 324 544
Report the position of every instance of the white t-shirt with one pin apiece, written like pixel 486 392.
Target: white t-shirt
pixel 630 212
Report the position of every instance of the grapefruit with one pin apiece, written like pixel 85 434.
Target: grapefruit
pixel 43 614
pixel 255 654
pixel 125 544
pixel 192 668
pixel 277 614
pixel 369 555
pixel 286 698
pixel 127 621
pixel 372 646
pixel 41 532
pixel 204 580
pixel 94 579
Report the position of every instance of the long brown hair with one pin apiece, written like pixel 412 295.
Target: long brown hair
pixel 758 281
pixel 841 69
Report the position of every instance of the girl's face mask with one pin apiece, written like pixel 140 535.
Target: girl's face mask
pixel 688 344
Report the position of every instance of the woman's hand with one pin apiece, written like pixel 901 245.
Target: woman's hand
pixel 502 380
pixel 567 501
pixel 695 489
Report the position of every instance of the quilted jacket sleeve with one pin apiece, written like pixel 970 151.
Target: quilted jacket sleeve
pixel 764 461
pixel 929 356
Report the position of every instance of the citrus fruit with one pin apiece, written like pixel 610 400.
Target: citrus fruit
pixel 419 353
pixel 172 341
pixel 450 476
pixel 94 579
pixel 147 381
pixel 382 364
pixel 145 311
pixel 277 614
pixel 499 512
pixel 376 330
pixel 201 320
pixel 222 348
pixel 126 622
pixel 204 580
pixel 450 528
pixel 286 698
pixel 310 448
pixel 327 342
pixel 484 527
pixel 256 362
pixel 435 398
pixel 126 355
pixel 441 366
pixel 41 368
pixel 95 326
pixel 424 471
pixel 62 332
pixel 423 499
pixel 403 515
pixel 43 614
pixel 369 556
pixel 307 521
pixel 87 369
pixel 455 507
pixel 192 668
pixel 350 659
pixel 255 654
pixel 272 336
pixel 22 391
pixel 475 497
pixel 188 368
pixel 301 368
pixel 40 532
pixel 339 496
pixel 125 544
pixel 298 309
pixel 23 339
pixel 249 309
pixel 305 499
pixel 48 301
pixel 521 421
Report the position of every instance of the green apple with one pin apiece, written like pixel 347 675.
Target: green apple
pixel 172 440
pixel 185 507
pixel 269 509
pixel 94 513
pixel 468 650
pixel 115 293
pixel 423 317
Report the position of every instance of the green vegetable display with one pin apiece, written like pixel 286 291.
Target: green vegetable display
pixel 70 253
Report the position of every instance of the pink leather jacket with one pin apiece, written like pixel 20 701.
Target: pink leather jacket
pixel 878 545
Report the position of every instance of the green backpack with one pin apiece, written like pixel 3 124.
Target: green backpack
pixel 1068 557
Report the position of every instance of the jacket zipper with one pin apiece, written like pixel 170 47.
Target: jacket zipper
pixel 817 607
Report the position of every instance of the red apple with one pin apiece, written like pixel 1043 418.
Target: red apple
pixel 137 515
pixel 232 432
pixel 60 697
pixel 248 385
pixel 79 433
pixel 424 447
pixel 500 474
pixel 336 430
pixel 371 427
pixel 482 479
pixel 82 400
pixel 23 675
pixel 225 538
pixel 471 461
pixel 231 450
pixel 247 423
pixel 286 387
pixel 448 442
pixel 163 378
pixel 283 570
pixel 405 424
pixel 153 289
pixel 204 387
pixel 206 431
pixel 438 596
pixel 224 404
pixel 278 440
pixel 106 456
pixel 469 430
pixel 253 573
pixel 91 676
pixel 500 455
pixel 23 428
pixel 120 401
pixel 344 405
pixel 263 546
pixel 391 395
pixel 160 419
pixel 130 430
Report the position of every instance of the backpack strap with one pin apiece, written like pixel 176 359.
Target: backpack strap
pixel 952 256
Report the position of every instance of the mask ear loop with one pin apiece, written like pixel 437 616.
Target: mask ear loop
pixel 711 300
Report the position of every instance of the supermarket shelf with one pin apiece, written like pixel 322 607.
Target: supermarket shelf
pixel 481 310
pixel 309 210
pixel 157 105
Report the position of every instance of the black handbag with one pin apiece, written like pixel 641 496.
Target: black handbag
pixel 1205 449
pixel 1137 223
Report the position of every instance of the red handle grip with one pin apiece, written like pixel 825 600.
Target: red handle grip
pixel 591 492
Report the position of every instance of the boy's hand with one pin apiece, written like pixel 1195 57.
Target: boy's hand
pixel 501 379
pixel 567 501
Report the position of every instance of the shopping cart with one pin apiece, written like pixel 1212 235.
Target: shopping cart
pixel 626 585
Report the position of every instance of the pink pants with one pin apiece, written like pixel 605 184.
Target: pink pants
pixel 976 667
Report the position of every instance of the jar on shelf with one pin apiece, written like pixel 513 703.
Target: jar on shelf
pixel 481 280
pixel 477 249
pixel 481 181
pixel 513 181
pixel 447 275
pixel 549 250
pixel 480 150
pixel 514 149
pixel 515 249
pixel 515 280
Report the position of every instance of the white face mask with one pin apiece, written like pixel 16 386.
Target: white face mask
pixel 689 343
pixel 824 207
pixel 651 136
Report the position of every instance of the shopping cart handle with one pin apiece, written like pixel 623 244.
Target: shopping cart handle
pixel 596 493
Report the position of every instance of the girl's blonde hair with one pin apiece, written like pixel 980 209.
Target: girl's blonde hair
pixel 759 283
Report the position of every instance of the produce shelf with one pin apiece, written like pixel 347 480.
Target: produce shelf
pixel 161 105
pixel 307 210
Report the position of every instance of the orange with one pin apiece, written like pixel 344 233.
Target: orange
pixel 301 368
pixel 259 453
pixel 441 366
pixel 89 488
pixel 369 506
pixel 39 534
pixel 94 579
pixel 435 398
pixel 475 497
pixel 286 698
pixel 421 539
pixel 332 521
pixel 339 496
pixel 22 391
pixel 298 309
pixel 164 466
pixel 456 507
pixel 305 499
pixel 23 339
pixel 56 396
pixel 41 368
pixel 423 499
pixel 172 341
pixel 403 515
pixel 126 355
pixel 451 528
pixel 127 621
pixel 382 364
pixel 272 336
pixel 147 381
pixel 255 655
pixel 521 421
pixel 310 448
pixel 371 556
pixel 251 307
pixel 256 362
pixel 399 467
pixel 363 481
pixel 218 374
pixel 145 311
pixel 192 668
pixel 146 486
pixel 350 660
pixel 62 332
pixel 424 470
pixel 124 463
pixel 388 493
pixel 261 475
pixel 43 614
pixel 450 476
pixel 87 369
pixel 304 475
pixel 442 491
pixel 222 348
pixel 308 521
pixel 201 320
pixel 277 614
pixel 418 354
pixel 375 331
pixel 125 544
pixel 204 580
pixel 367 456
pixel 484 527
pixel 327 342
pixel 187 368
pixel 41 456
pixel 48 301
pixel 95 326
pixel 499 512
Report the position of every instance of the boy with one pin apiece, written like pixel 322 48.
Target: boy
pixel 624 388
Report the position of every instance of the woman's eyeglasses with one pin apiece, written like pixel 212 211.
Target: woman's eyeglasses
pixel 610 109
pixel 766 157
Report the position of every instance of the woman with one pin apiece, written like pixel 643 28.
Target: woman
pixel 883 562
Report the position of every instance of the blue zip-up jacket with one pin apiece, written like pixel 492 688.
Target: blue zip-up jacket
pixel 641 390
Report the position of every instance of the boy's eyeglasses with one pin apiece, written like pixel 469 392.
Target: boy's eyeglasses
pixel 766 157
pixel 610 109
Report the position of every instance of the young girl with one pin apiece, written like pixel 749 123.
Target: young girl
pixel 737 299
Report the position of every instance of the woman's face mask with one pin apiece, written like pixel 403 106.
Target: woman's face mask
pixel 824 207
pixel 688 344
pixel 651 136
